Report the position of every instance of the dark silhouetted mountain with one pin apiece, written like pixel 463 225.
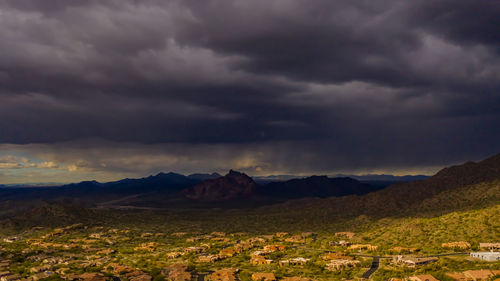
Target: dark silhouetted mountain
pixel 274 178
pixel 166 183
pixel 234 185
pixel 93 191
pixel 449 178
pixel 386 178
pixel 202 177
pixel 316 186
pixel 470 185
pixel 162 181
pixel 379 181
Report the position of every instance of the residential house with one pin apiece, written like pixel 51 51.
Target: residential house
pixel 268 237
pixel 296 239
pixel 138 275
pixel 412 261
pixel 456 245
pixel 473 275
pixel 4 264
pixel 96 235
pixel 486 256
pixel 8 276
pixel 41 275
pixel 63 271
pixel 253 240
pixel 228 252
pixel 106 251
pixel 194 250
pixel 227 274
pixel 12 239
pixel 209 258
pixel 335 265
pixel 243 246
pixel 41 268
pixel 259 260
pixel 177 272
pixel 119 268
pixel 423 277
pixel 274 248
pixel 340 243
pixel 258 253
pixel 262 276
pixel 491 246
pixel 55 260
pixel 479 275
pixel 173 255
pixel 149 247
pixel 194 239
pixel 294 261
pixel 221 239
pixel 307 234
pixel 88 276
pixel 458 276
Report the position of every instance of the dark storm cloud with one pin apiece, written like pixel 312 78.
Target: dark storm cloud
pixel 316 85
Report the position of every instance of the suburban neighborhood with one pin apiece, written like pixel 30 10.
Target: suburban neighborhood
pixel 88 253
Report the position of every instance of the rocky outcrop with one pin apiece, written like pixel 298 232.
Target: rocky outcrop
pixel 231 186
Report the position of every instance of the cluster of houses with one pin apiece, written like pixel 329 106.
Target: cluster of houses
pixel 294 261
pixel 259 257
pixel 95 250
pixel 340 264
pixel 264 276
pixel 5 274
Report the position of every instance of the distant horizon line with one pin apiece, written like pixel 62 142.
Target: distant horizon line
pixel 258 177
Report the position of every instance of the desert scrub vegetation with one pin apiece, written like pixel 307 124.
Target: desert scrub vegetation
pixel 473 226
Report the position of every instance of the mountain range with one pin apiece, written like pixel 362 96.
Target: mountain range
pixel 469 184
pixel 212 199
pixel 163 188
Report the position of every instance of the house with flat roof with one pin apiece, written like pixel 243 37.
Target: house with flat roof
pixel 423 277
pixel 491 246
pixel 456 245
pixel 412 261
pixel 263 276
pixel 335 265
pixel 486 256
pixel 479 275
pixel 294 261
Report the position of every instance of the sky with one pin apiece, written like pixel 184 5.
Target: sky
pixel 112 89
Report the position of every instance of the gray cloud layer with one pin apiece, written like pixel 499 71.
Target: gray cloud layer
pixel 344 84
